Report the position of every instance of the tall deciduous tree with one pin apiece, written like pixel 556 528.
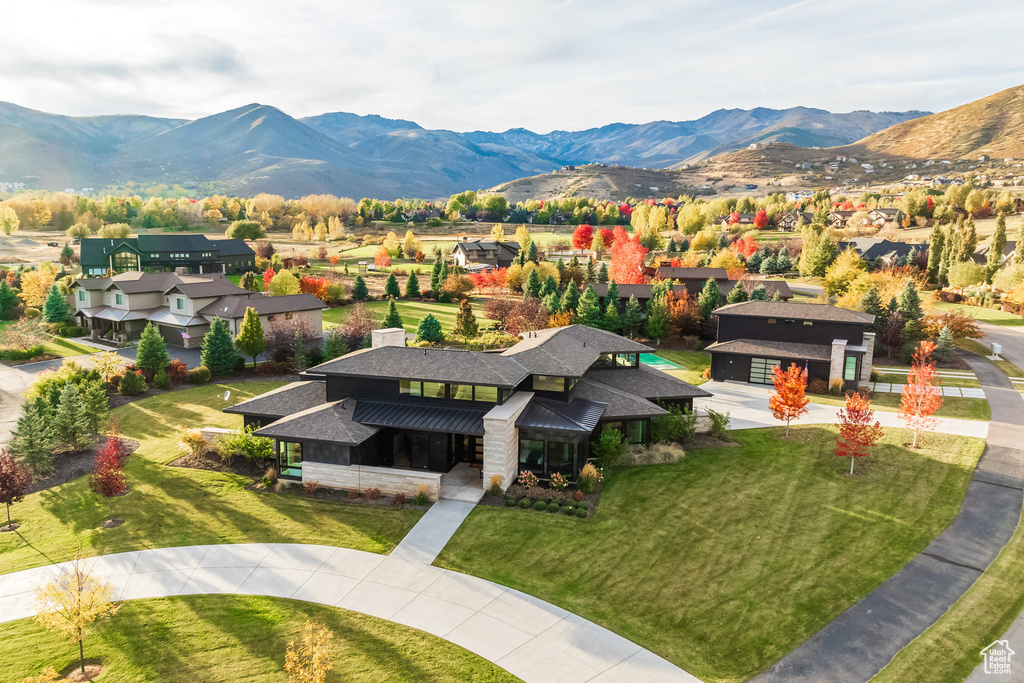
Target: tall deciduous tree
pixel 284 283
pixel 14 481
pixel 856 432
pixel 995 249
pixel 657 324
pixel 108 478
pixel 152 351
pixel 921 395
pixel 9 221
pixel 789 401
pixel 250 339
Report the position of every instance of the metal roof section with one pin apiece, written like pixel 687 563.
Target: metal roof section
pixel 420 417
pixel 578 415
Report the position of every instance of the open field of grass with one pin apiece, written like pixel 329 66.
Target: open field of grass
pixel 171 506
pixel 725 561
pixel 239 637
pixel 952 406
pixel 693 362
pixel 988 315
pixel 412 312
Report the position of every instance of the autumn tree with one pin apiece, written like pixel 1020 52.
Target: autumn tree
pixel 761 219
pixel 108 478
pixel 14 482
pixel 789 400
pixel 311 658
pixel 250 339
pixel 36 285
pixel 73 602
pixel 9 221
pixel 284 283
pixel 627 258
pixel 582 237
pixel 921 395
pixel 856 432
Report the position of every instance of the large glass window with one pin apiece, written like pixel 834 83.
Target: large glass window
pixel 636 431
pixel 605 360
pixel 409 387
pixel 560 458
pixel 433 389
pixel 850 372
pixel 531 456
pixel 488 394
pixel 119 299
pixel 626 360
pixel 462 392
pixel 548 383
pixel 290 458
pixel 124 260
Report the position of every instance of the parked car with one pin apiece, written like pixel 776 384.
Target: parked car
pixel 53 244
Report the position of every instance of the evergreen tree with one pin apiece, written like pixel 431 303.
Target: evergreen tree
pixel 56 308
pixel 391 286
pixel 218 352
pixel 602 274
pixel 571 300
pixel 657 323
pixel 935 243
pixel 909 304
pixel 251 282
pixel 612 321
pixel 32 439
pixel 632 316
pixel 8 300
pixel 97 406
pixel 872 303
pixel 590 275
pixel 738 294
pixel 589 311
pixel 435 276
pixel 250 339
pixel 828 252
pixel 71 421
pixel 755 260
pixel 995 250
pixel 809 253
pixel 412 286
pixel 550 287
pixel 709 300
pixel 760 293
pixel 533 284
pixel 151 355
pixel 769 265
pixel 782 262
pixel 945 345
pixel 359 290
pixel 429 330
pixel 671 247
pixel 298 357
pixel 531 253
pixel 443 275
pixel 560 266
pixel 334 347
pixel 392 319
pixel 612 296
pixel 552 303
pixel 66 253
pixel 465 321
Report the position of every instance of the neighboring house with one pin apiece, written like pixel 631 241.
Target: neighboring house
pixel 876 249
pixel 789 220
pixel 980 255
pixel 1018 204
pixel 744 219
pixel 693 288
pixel 755 336
pixel 688 275
pixel 838 219
pixel 394 417
pixel 166 253
pixel 891 216
pixel 491 253
pixel 183 306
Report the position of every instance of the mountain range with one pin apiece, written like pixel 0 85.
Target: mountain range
pixel 259 148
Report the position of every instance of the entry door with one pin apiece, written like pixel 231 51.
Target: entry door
pixel 419 451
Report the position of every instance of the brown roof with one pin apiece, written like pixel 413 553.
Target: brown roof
pixel 780 350
pixel 233 307
pixel 798 311
pixel 568 351
pixel 673 273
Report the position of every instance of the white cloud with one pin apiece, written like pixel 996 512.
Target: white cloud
pixel 466 64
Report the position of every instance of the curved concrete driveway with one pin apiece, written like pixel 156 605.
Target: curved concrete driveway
pixel 531 639
pixel 12 385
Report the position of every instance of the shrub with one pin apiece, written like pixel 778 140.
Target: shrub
pixel 496 485
pixel 73 331
pixel 582 505
pixel 569 510
pixel 577 495
pixel 421 495
pixel 178 371
pixel 609 447
pixel 198 375
pixel 817 386
pixel 259 449
pixel 371 494
pixel 655 454
pixel 132 384
pixel 874 375
pixel 162 380
pixel 399 499
pixel 558 482
pixel 310 487
pixel 510 501
pixel 676 426
pixel 540 505
pixel 524 503
pixel 553 507
pixel 33 313
pixel 589 480
pixel 835 387
pixel 527 479
pixel 21 354
pixel 270 475
pixel 115 382
pixel 719 424
pixel 273 367
pixel 352 495
pixel 192 441
pixel 581 513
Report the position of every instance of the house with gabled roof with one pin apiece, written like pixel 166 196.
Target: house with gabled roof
pixel 491 253
pixel 166 253
pixel 886 216
pixel 394 417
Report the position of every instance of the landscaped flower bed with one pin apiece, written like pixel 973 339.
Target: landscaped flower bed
pixel 555 498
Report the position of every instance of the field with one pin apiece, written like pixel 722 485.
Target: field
pixel 952 406
pixel 411 311
pixel 987 315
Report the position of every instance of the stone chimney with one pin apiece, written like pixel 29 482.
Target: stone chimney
pixel 869 358
pixel 392 336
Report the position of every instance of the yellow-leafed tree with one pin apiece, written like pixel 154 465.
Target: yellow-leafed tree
pixel 310 659
pixel 35 285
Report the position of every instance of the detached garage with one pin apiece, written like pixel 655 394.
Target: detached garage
pixel 748 361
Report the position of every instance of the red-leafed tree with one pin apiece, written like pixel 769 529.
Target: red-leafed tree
pixel 745 246
pixel 676 262
pixel 381 258
pixel 268 275
pixel 317 286
pixel 856 432
pixel 108 478
pixel 789 400
pixel 734 218
pixel 14 481
pixel 116 445
pixel 626 210
pixel 922 395
pixel 582 237
pixel 608 237
pixel 761 219
pixel 627 258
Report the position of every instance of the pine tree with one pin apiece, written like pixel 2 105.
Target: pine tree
pixel 151 355
pixel 532 254
pixel 218 352
pixel 945 344
pixel 935 243
pixel 632 316
pixel 429 330
pixel 612 296
pixel 465 322
pixel 334 347
pixel 250 339
pixel 872 303
pixel 995 250
pixel 589 310
pixel 709 300
pixel 533 284
pixel 71 421
pixel 359 290
pixel 657 324
pixel 8 299
pixel 412 286
pixel 760 293
pixel 737 294
pixel 56 308
pixel 591 272
pixel 571 300
pixel 611 321
pixel 435 276
pixel 298 357
pixel 549 287
pixel 97 406
pixel 251 282
pixel 32 438
pixel 391 286
pixel 602 274
pixel 560 266
pixel 392 319
pixel 909 304
pixel 552 303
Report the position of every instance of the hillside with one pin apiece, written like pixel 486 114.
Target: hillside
pixel 993 125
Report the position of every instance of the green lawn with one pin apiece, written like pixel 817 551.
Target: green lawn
pixel 952 406
pixel 693 364
pixel 234 638
pixel 412 312
pixel 171 506
pixel 978 349
pixel 725 561
pixel 901 378
pixel 66 347
pixel 988 315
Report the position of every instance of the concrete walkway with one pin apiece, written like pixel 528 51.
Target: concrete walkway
pixel 862 640
pixel 424 541
pixel 747 405
pixel 12 385
pixel 536 641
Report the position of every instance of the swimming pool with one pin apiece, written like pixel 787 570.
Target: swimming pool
pixel 656 361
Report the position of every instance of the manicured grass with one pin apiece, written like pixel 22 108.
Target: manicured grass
pixel 988 315
pixel 725 561
pixel 66 347
pixel 952 406
pixel 949 649
pixel 693 362
pixel 171 506
pixel 235 638
pixel 901 378
pixel 411 311
pixel 1006 367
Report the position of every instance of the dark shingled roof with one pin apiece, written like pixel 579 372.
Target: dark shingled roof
pixel 619 403
pixel 134 282
pixel 291 398
pixel 568 351
pixel 577 415
pixel 329 422
pixel 673 273
pixel 95 250
pixel 422 417
pixel 643 291
pixel 511 248
pixel 797 311
pixel 433 365
pixel 233 307
pixel 647 382
pixel 773 349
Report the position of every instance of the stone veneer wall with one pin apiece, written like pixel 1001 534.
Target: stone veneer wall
pixel 501 439
pixel 869 357
pixel 362 477
pixel 838 360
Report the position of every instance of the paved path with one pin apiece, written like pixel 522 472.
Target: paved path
pixel 424 541
pixel 531 639
pixel 862 640
pixel 12 384
pixel 747 405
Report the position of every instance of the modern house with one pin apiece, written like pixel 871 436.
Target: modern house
pixel 980 255
pixel 394 417
pixel 755 336
pixel 166 253
pixel 491 253
pixel 183 306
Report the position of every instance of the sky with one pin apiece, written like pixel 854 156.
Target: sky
pixel 494 65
